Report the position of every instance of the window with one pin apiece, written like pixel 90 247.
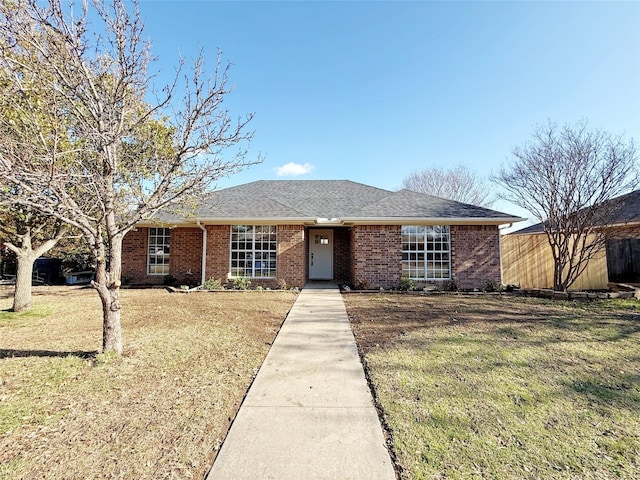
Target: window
pixel 253 251
pixel 158 258
pixel 426 252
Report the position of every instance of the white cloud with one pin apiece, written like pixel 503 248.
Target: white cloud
pixel 292 169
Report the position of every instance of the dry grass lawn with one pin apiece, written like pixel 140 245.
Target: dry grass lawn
pixel 159 411
pixel 499 387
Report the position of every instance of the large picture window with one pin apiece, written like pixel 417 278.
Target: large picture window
pixel 158 255
pixel 426 252
pixel 253 251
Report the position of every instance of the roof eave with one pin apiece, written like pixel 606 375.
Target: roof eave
pixel 344 221
pixel 230 221
pixel 431 220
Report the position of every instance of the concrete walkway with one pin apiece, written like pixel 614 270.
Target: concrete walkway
pixel 309 413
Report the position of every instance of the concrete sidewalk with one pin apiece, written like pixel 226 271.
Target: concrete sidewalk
pixel 309 413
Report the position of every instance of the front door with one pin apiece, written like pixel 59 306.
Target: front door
pixel 320 254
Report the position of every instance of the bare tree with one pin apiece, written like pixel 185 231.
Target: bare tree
pixel 126 159
pixel 457 183
pixel 568 178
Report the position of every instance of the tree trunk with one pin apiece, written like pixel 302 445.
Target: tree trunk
pixel 107 284
pixel 24 274
pixel 26 257
pixel 111 329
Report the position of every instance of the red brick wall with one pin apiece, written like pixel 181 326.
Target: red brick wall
pixel 134 257
pixel 366 254
pixel 376 257
pixel 218 238
pixel 290 260
pixel 291 263
pixel 342 255
pixel 475 255
pixel 185 256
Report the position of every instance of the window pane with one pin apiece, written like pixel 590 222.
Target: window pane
pixel 426 252
pixel 249 242
pixel 158 251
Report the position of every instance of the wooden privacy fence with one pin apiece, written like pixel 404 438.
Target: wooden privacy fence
pixel 527 261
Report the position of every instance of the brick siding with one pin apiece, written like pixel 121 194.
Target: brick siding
pixel 290 260
pixel 376 257
pixel 364 255
pixel 475 255
pixel 185 256
pixel 134 257
pixel 291 265
pixel 218 245
pixel 342 255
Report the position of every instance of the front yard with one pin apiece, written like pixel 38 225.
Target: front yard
pixel 471 386
pixel 159 411
pixel 503 387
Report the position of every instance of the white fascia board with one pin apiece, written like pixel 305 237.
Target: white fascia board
pixel 432 221
pixel 230 221
pixel 347 221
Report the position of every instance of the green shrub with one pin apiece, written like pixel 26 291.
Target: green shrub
pixel 405 284
pixel 241 283
pixel 79 261
pixel 169 280
pixel 212 284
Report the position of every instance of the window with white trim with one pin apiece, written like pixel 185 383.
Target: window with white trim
pixel 158 253
pixel 426 252
pixel 253 251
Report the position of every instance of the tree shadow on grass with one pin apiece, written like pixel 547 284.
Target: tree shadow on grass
pixel 14 353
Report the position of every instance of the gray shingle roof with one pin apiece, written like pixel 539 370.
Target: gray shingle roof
pixel 339 199
pixel 621 210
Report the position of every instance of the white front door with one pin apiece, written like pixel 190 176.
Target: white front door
pixel 320 254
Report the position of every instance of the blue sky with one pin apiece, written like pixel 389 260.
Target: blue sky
pixel 369 91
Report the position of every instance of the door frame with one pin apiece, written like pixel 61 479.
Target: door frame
pixel 311 234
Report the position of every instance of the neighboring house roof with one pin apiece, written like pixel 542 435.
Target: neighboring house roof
pixel 622 210
pixel 335 202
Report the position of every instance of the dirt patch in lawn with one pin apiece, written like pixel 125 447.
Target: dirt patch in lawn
pixel 503 387
pixel 159 411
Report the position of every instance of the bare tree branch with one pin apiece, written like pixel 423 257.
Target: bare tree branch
pixel 566 177
pixel 115 159
pixel 458 183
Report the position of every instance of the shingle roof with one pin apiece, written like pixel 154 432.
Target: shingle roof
pixel 622 210
pixel 407 203
pixel 342 201
pixel 292 198
pixel 308 200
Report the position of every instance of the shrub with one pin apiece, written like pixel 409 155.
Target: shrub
pixel 405 284
pixel 492 286
pixel 80 261
pixel 362 284
pixel 169 280
pixel 241 283
pixel 450 286
pixel 212 284
pixel 282 284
